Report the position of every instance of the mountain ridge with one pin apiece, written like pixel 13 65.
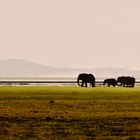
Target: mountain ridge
pixel 21 67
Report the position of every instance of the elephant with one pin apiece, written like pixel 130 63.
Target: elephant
pixel 109 82
pixel 85 78
pixel 126 81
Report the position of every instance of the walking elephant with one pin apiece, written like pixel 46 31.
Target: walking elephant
pixel 83 79
pixel 126 81
pixel 110 82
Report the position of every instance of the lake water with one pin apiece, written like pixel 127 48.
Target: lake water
pixel 14 80
pixel 50 79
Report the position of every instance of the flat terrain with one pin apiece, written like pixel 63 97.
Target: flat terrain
pixel 65 113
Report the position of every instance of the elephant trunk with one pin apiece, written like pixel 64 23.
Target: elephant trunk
pixel 78 82
pixel 104 83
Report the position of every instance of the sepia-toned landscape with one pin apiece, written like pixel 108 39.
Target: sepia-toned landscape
pixel 69 70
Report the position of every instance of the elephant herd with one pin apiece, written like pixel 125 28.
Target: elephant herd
pixel 125 81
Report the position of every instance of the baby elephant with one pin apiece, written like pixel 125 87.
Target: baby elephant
pixel 109 82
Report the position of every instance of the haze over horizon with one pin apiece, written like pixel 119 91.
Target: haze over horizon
pixel 19 60
pixel 76 33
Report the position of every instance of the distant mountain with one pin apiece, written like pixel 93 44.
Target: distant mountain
pixel 19 67
pixel 23 68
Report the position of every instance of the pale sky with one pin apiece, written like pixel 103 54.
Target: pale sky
pixel 71 33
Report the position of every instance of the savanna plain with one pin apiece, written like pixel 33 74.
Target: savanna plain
pixel 69 112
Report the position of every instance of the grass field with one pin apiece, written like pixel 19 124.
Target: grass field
pixel 65 113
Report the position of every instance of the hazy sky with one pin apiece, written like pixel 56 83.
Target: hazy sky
pixel 71 33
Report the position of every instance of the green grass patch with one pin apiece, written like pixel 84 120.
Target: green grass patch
pixel 69 113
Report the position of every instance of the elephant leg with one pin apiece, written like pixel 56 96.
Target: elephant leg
pixel 93 84
pixel 82 83
pixel 86 84
pixel 133 84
